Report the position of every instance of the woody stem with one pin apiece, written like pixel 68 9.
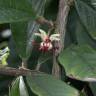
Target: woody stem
pixel 64 8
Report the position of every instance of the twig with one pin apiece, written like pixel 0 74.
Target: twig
pixel 42 21
pixel 8 71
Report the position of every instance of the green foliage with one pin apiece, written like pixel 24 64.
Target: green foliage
pixel 18 88
pixel 44 57
pixel 77 60
pixel 81 60
pixel 14 11
pixel 46 85
pixel 14 91
pixel 23 29
pixel 87 16
pixel 41 85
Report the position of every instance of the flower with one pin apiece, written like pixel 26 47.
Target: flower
pixel 45 46
pixel 46 43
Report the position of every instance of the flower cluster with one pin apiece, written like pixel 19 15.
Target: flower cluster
pixel 47 40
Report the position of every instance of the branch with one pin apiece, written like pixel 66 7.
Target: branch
pixel 8 71
pixel 64 8
pixel 42 21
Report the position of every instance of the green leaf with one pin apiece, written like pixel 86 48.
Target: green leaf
pixel 19 32
pixel 79 62
pixel 38 6
pixel 4 84
pixel 23 31
pixel 33 27
pixel 87 16
pixel 22 87
pixel 13 60
pixel 44 57
pixel 46 85
pixel 82 34
pixel 18 88
pixel 15 10
pixel 14 91
pixel 44 62
pixel 79 34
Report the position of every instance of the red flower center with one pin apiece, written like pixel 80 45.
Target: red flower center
pixel 44 47
pixel 47 40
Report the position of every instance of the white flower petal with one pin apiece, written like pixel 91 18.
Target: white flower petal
pixel 37 34
pixel 42 44
pixel 55 35
pixel 54 39
pixel 57 39
pixel 43 33
pixel 50 46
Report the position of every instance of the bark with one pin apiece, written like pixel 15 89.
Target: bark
pixel 64 8
pixel 8 71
